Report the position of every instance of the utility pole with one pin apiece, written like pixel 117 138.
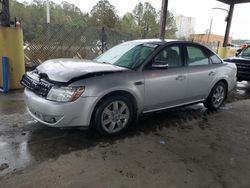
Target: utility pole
pixel 48 12
pixel 163 19
pixel 228 20
pixel 210 28
pixel 48 19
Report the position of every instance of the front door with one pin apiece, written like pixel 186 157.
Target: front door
pixel 165 80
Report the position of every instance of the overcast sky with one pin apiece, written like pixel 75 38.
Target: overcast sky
pixel 199 9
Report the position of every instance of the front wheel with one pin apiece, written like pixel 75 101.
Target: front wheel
pixel 113 115
pixel 216 97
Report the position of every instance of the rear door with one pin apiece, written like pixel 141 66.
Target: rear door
pixel 201 72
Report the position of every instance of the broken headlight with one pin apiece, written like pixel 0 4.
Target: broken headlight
pixel 65 94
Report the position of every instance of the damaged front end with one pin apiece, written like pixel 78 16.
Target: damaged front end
pixel 40 84
pixel 33 82
pixel 51 90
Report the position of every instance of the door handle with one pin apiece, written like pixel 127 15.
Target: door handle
pixel 139 83
pixel 212 73
pixel 180 77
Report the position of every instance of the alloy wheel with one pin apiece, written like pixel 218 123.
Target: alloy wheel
pixel 115 116
pixel 218 96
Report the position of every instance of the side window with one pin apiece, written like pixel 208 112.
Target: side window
pixel 169 56
pixel 214 58
pixel 196 56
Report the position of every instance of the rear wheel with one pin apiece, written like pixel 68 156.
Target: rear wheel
pixel 113 115
pixel 216 97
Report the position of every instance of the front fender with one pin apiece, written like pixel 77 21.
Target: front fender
pixel 101 86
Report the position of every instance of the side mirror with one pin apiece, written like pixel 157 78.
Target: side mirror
pixel 160 64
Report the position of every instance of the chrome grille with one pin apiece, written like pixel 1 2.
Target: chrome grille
pixel 37 86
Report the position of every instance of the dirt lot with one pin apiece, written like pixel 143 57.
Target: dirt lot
pixel 184 147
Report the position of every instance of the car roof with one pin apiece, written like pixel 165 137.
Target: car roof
pixel 160 41
pixel 155 41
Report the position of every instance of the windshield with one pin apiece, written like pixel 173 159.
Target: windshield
pixel 245 53
pixel 128 55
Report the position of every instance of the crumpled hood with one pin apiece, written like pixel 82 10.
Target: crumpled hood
pixel 64 70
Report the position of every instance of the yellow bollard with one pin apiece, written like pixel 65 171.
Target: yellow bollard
pixel 223 52
pixel 11 46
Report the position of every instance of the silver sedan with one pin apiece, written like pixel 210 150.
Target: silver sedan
pixel 129 80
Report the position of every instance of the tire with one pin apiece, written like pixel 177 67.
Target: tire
pixel 216 97
pixel 114 115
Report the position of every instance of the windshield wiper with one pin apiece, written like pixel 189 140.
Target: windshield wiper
pixel 104 62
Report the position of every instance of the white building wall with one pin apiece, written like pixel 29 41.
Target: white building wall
pixel 185 26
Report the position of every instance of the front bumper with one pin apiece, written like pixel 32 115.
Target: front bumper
pixel 57 114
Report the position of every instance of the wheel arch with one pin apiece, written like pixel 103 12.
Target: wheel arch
pixel 127 94
pixel 209 103
pixel 223 81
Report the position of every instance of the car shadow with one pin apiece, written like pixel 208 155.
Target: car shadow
pixel 49 143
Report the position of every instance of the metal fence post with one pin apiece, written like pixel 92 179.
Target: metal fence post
pixel 218 46
pixel 5 70
pixel 102 39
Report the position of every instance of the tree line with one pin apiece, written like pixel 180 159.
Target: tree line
pixel 142 22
